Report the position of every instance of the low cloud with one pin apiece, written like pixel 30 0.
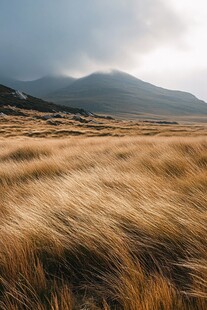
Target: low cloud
pixel 58 36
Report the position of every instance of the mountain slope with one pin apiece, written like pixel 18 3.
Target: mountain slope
pixel 12 98
pixel 40 87
pixel 119 93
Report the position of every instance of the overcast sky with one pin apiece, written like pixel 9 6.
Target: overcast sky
pixel 160 41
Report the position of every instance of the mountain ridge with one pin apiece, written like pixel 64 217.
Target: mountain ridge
pixel 39 87
pixel 11 98
pixel 116 93
pixel 119 93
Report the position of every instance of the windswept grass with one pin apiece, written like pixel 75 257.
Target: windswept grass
pixel 103 223
pixel 32 125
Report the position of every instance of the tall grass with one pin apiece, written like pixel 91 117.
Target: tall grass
pixel 103 223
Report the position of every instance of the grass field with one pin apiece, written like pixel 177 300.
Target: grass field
pixel 32 125
pixel 103 223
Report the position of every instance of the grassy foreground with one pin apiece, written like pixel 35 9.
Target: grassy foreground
pixel 103 223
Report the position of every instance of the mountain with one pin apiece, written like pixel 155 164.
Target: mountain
pixel 40 87
pixel 10 98
pixel 118 93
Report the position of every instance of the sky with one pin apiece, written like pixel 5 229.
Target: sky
pixel 159 41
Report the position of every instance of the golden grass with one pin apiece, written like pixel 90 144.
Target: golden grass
pixel 32 126
pixel 103 223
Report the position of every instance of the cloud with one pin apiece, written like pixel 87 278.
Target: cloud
pixel 53 36
pixel 193 81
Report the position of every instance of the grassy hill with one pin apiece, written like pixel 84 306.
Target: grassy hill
pixel 12 98
pixel 117 93
pixel 123 95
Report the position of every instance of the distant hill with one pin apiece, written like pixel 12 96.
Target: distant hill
pixel 121 94
pixel 40 87
pixel 117 93
pixel 14 98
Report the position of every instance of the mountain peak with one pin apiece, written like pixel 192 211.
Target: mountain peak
pixel 112 72
pixel 114 92
pixel 121 94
